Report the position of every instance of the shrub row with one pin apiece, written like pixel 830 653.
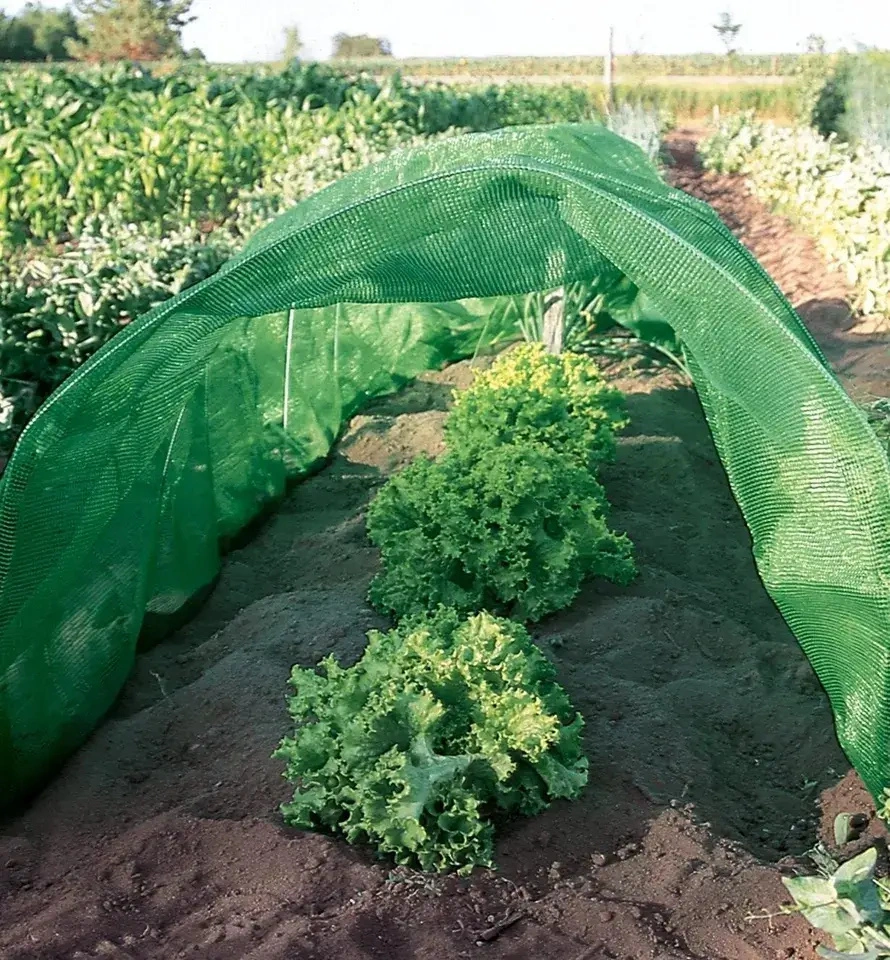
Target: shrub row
pixel 838 192
pixel 57 309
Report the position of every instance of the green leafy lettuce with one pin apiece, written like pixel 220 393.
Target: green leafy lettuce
pixel 444 724
pixel 515 530
pixel 530 395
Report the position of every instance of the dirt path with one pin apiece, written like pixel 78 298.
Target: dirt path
pixel 709 740
pixel 819 293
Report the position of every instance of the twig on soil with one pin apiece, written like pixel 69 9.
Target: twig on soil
pixel 160 684
pixel 784 911
pixel 493 932
pixel 695 640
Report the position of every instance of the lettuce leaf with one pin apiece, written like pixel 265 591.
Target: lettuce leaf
pixel 443 725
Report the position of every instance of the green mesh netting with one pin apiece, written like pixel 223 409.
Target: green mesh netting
pixel 188 423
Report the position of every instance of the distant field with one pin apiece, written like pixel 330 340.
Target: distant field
pixel 683 94
pixel 688 81
pixel 706 65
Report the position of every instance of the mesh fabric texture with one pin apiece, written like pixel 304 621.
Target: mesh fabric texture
pixel 139 469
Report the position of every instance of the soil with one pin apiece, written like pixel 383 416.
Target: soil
pixel 713 759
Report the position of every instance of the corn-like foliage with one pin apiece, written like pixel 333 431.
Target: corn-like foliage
pixel 442 725
pixel 119 187
pixel 138 148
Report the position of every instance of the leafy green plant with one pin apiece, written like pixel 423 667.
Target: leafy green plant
pixel 837 192
pixel 530 395
pixel 878 413
pixel 847 902
pixel 441 726
pixel 818 87
pixel 135 147
pixel 514 528
pixel 641 125
pixel 56 311
pixel 866 116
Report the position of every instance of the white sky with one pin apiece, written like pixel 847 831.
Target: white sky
pixel 253 29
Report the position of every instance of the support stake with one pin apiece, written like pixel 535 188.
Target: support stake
pixel 553 332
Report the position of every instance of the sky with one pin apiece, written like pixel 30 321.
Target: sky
pixel 237 30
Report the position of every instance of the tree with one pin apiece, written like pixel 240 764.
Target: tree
pixel 37 33
pixel 728 31
pixel 51 30
pixel 16 41
pixel 347 47
pixel 131 29
pixel 292 44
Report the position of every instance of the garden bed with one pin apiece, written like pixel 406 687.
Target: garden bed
pixel 708 737
pixel 713 762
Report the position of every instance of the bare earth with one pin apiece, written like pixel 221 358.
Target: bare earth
pixel 712 753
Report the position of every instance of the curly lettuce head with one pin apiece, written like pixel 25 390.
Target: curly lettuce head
pixel 443 724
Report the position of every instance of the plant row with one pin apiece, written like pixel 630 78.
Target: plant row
pixel 59 303
pixel 837 192
pixel 453 720
pixel 57 309
pixel 159 158
pixel 848 95
pixel 138 149
pixel 699 65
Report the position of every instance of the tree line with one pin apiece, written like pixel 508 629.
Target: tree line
pixel 96 30
pixel 99 30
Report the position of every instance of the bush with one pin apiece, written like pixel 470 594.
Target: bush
pixel 866 118
pixel 441 725
pixel 819 90
pixel 838 193
pixel 530 395
pixel 515 529
pixel 56 311
pixel 641 125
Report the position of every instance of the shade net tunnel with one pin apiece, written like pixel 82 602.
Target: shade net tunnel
pixel 127 486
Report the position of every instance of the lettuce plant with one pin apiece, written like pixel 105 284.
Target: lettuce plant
pixel 442 725
pixel 531 395
pixel 514 529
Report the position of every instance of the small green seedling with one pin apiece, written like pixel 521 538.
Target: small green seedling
pixel 847 902
pixel 884 809
pixel 878 414
pixel 848 827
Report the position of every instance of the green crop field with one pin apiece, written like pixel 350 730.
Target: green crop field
pixel 167 169
pixel 636 65
pixel 563 577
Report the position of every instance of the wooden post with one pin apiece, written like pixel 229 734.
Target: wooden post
pixel 553 332
pixel 609 72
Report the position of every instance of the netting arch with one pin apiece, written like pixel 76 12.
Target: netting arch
pixel 131 478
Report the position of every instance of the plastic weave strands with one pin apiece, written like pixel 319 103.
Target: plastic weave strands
pixel 188 424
